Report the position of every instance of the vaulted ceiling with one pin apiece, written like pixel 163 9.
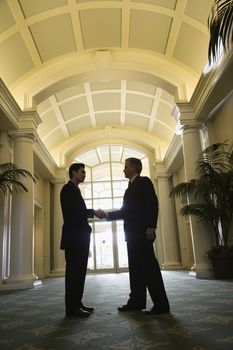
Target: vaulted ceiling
pixel 103 71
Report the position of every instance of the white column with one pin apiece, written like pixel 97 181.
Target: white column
pixel 5 206
pixel 58 261
pixel 167 221
pixel 21 251
pixel 47 226
pixel 201 237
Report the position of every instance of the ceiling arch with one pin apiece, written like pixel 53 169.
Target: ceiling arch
pixel 148 144
pixel 103 66
pixel 90 66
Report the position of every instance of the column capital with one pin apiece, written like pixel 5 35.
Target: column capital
pixel 60 176
pixel 161 172
pixel 24 134
pixel 187 125
pixel 184 114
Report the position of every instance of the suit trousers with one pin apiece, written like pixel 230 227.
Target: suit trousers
pixel 144 273
pixel 76 266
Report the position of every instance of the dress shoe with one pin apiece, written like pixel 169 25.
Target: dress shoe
pixel 128 307
pixel 78 313
pixel 157 311
pixel 87 308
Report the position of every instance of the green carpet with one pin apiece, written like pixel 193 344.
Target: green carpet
pixel 201 317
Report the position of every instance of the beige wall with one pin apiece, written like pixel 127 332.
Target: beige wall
pixel 39 190
pixel 223 122
pixel 186 250
pixel 223 130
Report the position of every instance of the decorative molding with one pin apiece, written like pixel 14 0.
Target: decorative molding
pixel 103 59
pixel 211 90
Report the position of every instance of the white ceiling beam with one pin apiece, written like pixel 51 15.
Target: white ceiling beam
pixel 175 27
pixel 90 104
pixel 59 116
pixel 123 102
pixel 78 37
pixel 25 32
pixel 154 109
pixel 125 23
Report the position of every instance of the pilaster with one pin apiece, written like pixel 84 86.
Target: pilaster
pixel 58 262
pixel 201 237
pixel 167 220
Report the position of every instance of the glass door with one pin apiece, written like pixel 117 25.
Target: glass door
pixel 108 248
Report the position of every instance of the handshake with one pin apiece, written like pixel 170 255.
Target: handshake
pixel 100 214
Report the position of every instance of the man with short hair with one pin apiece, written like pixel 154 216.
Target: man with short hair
pixel 140 213
pixel 75 241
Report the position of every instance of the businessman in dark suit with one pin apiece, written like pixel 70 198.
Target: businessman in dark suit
pixel 75 241
pixel 140 213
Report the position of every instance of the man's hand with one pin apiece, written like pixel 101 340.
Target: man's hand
pixel 150 234
pixel 100 214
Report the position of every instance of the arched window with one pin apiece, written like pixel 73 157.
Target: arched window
pixel 105 182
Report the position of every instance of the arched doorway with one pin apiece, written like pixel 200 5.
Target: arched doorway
pixel 104 188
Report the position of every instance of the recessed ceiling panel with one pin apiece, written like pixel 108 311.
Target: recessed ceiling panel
pixel 106 101
pixel 199 10
pixel 54 139
pixel 43 106
pixel 139 103
pixel 191 48
pixel 142 87
pixel 32 7
pixel 74 108
pixel 149 30
pixel 107 118
pixel 164 114
pixel 78 125
pixel 6 18
pixel 166 96
pixel 136 121
pixel 105 85
pixel 12 65
pixel 82 1
pixel 164 133
pixel 70 92
pixel 164 3
pixel 49 122
pixel 101 27
pixel 53 36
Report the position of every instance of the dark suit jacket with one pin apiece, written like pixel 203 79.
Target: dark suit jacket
pixel 139 210
pixel 75 215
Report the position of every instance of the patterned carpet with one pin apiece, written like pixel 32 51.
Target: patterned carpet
pixel 201 317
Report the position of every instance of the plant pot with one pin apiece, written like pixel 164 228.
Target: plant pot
pixel 222 266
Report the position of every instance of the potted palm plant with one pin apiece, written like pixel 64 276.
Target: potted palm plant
pixel 220 24
pixel 10 176
pixel 212 194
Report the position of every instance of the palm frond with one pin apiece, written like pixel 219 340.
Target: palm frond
pixel 220 24
pixel 184 188
pixel 214 159
pixel 10 176
pixel 200 210
pixel 210 196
